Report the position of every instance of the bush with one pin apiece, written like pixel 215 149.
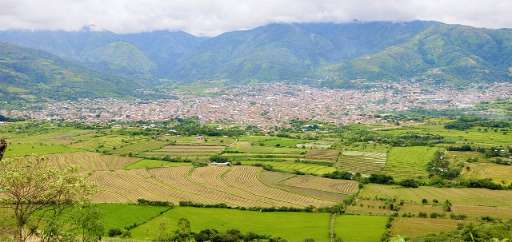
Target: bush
pixel 344 175
pixel 380 179
pixel 409 183
pixel 219 159
pixel 483 183
pixel 142 201
pixel 114 232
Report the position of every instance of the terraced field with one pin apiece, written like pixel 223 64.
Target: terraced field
pixel 193 152
pixel 290 166
pixel 363 162
pixel 235 186
pixel 409 162
pixel 323 184
pixel 323 154
pixel 88 161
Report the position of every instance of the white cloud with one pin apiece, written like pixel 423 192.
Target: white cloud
pixel 210 17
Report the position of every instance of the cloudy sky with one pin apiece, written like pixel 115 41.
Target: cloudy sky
pixel 211 17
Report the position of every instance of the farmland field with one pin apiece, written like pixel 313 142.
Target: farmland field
pixel 409 162
pixel 360 228
pixel 458 196
pixel 363 162
pixel 123 215
pixel 288 166
pixel 496 172
pixel 235 186
pixel 292 226
pixel 148 164
pixel 88 161
pixel 193 152
pixel 415 227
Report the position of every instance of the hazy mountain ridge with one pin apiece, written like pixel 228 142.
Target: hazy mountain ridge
pixel 333 53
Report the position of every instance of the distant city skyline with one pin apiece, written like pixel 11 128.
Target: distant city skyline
pixel 210 18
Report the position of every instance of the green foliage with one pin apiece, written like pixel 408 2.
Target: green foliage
pixel 380 179
pixel 31 75
pixel 497 231
pixel 409 183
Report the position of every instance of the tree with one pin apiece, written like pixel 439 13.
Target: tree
pixel 447 206
pixel 3 147
pixel 31 185
pixel 88 219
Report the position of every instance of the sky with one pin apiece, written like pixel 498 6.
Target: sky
pixel 212 17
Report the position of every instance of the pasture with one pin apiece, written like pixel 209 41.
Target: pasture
pixel 289 225
pixel 124 215
pixel 359 228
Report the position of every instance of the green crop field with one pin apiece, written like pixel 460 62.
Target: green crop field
pixel 148 164
pixel 458 196
pixel 31 149
pixel 353 228
pixel 295 167
pixel 472 135
pixel 123 215
pixel 289 225
pixel 409 162
pixel 363 162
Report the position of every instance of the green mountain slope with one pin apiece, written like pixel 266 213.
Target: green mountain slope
pixel 330 53
pixel 122 58
pixel 27 74
pixel 442 53
pixel 288 51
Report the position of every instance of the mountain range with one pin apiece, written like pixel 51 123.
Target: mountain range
pixel 63 65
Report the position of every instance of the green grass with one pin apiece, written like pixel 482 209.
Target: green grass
pixel 148 164
pixel 122 215
pixel 409 162
pixel 273 141
pixel 26 149
pixel 473 135
pixel 458 196
pixel 287 166
pixel 360 228
pixel 289 225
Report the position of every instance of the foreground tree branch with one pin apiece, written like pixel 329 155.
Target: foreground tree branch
pixel 31 185
pixel 3 147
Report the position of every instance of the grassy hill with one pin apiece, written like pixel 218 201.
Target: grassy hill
pixel 27 74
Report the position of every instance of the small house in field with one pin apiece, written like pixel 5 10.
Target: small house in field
pixel 220 163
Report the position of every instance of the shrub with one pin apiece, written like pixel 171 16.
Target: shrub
pixel 114 232
pixel 143 201
pixel 409 183
pixel 380 179
pixel 344 175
